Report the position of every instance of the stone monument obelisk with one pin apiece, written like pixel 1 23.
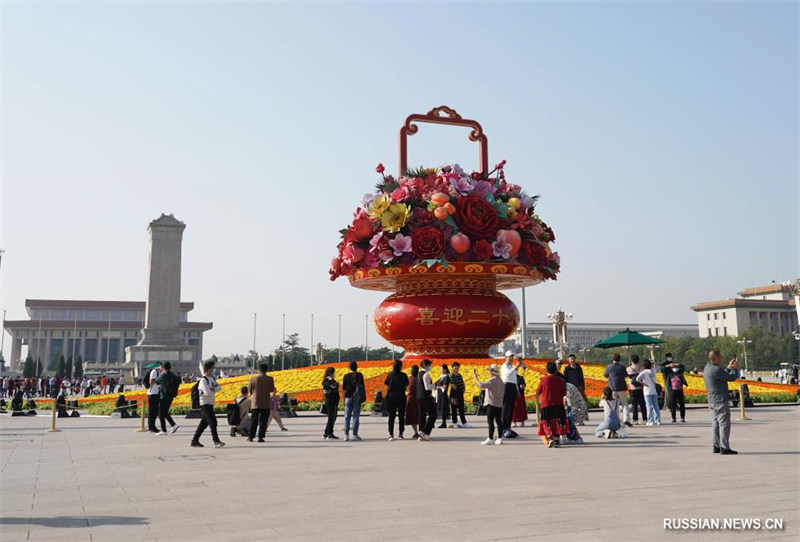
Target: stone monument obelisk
pixel 162 339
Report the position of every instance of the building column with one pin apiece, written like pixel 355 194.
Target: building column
pixel 47 351
pixel 16 351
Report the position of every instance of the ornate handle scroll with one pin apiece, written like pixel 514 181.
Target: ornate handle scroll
pixel 435 116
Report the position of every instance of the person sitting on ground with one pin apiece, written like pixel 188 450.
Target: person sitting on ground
pixel 610 425
pixel 493 400
pixel 553 416
pixel 243 402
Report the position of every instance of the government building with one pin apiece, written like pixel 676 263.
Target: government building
pixel 98 331
pixel 772 308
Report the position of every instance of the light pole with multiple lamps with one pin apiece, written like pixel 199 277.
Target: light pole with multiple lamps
pixel 560 319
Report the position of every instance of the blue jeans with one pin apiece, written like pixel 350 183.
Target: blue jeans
pixel 653 412
pixel 351 409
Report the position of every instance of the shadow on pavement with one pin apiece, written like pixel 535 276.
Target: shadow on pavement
pixel 73 522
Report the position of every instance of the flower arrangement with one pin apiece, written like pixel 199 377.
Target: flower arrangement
pixel 431 216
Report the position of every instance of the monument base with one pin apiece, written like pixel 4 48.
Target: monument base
pixel 184 359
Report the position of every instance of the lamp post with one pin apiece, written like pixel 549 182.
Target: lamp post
pixel 560 319
pixel 311 352
pixel 283 345
pixel 584 350
pixel 524 335
pixel 366 337
pixel 340 338
pixel 744 343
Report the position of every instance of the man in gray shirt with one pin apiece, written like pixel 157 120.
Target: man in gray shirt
pixel 717 379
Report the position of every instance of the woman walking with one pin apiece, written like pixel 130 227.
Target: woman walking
pixel 330 391
pixel 275 411
pixel 396 383
pixel 493 400
pixel 442 396
pixel 551 392
pixel 520 407
pixel 412 416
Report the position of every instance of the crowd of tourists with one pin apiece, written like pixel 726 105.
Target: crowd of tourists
pixel 420 399
pixel 53 386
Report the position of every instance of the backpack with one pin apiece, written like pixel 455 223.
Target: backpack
pixel 359 392
pixel 195 394
pixel 233 414
pixel 172 386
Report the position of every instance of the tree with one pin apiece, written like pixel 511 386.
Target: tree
pixel 27 368
pixel 60 366
pixel 77 371
pixel 68 368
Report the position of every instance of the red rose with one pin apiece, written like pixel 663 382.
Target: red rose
pixel 534 253
pixel 380 168
pixel 483 250
pixel 361 230
pixel 427 243
pixel 476 216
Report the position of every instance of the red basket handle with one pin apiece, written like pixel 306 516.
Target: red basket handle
pixel 434 116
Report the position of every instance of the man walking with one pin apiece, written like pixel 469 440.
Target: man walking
pixel 168 384
pixel 508 373
pixel 153 399
pixel 425 405
pixel 261 388
pixel 207 389
pixel 354 394
pixel 457 389
pixel 716 379
pixel 616 375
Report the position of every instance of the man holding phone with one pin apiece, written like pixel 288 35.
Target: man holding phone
pixel 716 379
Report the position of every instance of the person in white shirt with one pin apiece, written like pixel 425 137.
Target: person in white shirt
pixel 648 378
pixel 153 400
pixel 425 405
pixel 508 373
pixel 207 388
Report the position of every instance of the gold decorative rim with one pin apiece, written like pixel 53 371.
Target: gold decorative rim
pixel 508 275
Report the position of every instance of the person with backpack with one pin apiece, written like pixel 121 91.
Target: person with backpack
pixel 153 397
pixel 261 388
pixel 168 384
pixel 396 383
pixel 355 392
pixel 205 392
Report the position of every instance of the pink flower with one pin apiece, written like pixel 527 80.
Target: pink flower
pixel 400 244
pixel 352 254
pixel 399 194
pixel 380 168
pixel 371 260
pixel 462 185
pixel 536 229
pixel 501 248
pixel 386 256
pixel 555 258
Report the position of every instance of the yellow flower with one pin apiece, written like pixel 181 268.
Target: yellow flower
pixel 395 217
pixel 378 206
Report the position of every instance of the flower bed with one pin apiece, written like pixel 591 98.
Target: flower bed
pixel 304 384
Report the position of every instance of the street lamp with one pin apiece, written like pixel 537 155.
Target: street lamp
pixel 560 319
pixel 584 350
pixel 744 343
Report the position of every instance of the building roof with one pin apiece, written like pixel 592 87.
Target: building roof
pixel 91 304
pixel 99 324
pixel 612 326
pixel 760 290
pixel 744 303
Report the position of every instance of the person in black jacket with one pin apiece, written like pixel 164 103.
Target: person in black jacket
pixel 168 384
pixel 396 383
pixel 330 392
pixel 352 405
pixel 425 404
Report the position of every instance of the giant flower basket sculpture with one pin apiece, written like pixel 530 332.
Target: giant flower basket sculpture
pixel 445 241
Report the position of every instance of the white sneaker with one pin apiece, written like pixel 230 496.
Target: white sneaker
pixel 607 433
pixel 649 423
pixel 456 426
pixel 466 426
pixel 391 439
pixel 487 442
pixel 423 436
pixel 346 438
pixel 174 428
pixel 162 434
pixel 658 423
pixel 498 442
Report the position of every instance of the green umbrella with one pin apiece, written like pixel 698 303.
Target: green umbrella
pixel 152 365
pixel 627 338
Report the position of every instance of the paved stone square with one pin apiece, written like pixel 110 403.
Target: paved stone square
pixel 97 479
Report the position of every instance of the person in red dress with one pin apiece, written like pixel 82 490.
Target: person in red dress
pixel 553 416
pixel 412 416
pixel 520 408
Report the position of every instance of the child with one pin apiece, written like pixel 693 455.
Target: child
pixel 648 378
pixel 610 425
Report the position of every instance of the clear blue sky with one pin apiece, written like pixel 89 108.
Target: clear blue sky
pixel 662 137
